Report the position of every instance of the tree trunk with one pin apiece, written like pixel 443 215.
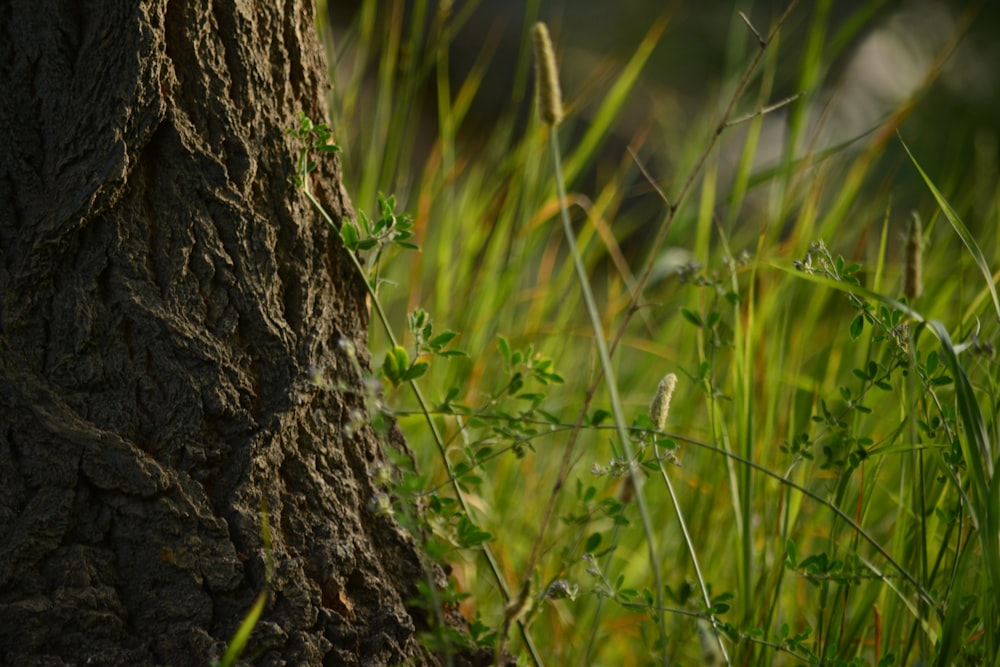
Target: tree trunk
pixel 165 293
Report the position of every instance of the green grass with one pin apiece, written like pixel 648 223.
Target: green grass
pixel 835 443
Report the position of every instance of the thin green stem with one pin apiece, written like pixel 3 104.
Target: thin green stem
pixel 689 543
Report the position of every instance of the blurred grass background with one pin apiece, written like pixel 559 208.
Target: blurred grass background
pixel 433 103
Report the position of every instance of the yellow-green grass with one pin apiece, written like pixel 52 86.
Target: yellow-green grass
pixel 754 376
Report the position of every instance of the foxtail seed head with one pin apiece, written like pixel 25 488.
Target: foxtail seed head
pixel 549 95
pixel 913 276
pixel 660 407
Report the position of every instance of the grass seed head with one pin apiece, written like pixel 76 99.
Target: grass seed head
pixel 660 407
pixel 549 95
pixel 913 276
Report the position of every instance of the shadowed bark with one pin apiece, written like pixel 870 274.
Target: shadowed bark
pixel 164 292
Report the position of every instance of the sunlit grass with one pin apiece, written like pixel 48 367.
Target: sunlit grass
pixel 779 468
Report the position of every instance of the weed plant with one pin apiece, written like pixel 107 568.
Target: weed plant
pixel 823 488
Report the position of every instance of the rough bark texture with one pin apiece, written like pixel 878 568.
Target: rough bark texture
pixel 165 291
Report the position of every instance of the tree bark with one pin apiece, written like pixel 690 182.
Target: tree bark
pixel 165 293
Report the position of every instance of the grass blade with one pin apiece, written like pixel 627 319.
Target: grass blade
pixel 603 121
pixel 239 640
pixel 962 231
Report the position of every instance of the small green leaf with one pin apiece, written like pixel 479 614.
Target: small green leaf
pixel 365 223
pixel 791 554
pixel 857 326
pixel 441 340
pixel 415 371
pixel 469 534
pixel 599 417
pixel 548 416
pixel 667 444
pixel 504 348
pixel 627 594
pixel 472 480
pixel 932 362
pixel 349 234
pixel 691 317
pixel 555 378
pixel 416 319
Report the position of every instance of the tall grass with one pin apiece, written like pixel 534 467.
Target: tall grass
pixel 832 444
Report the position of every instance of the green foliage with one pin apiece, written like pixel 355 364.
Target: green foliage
pixel 313 137
pixel 824 491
